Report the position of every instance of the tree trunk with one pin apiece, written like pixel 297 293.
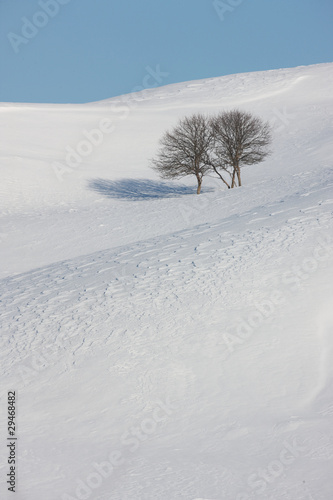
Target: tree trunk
pixel 199 185
pixel 233 178
pixel 239 177
pixel 220 176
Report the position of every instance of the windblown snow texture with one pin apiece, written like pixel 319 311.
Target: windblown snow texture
pixel 165 345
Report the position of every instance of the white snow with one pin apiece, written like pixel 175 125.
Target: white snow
pixel 165 345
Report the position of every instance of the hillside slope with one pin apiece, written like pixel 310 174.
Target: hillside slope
pixel 165 345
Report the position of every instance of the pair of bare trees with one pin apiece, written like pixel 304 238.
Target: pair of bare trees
pixel 222 144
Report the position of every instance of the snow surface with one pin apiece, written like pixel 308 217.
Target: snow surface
pixel 165 345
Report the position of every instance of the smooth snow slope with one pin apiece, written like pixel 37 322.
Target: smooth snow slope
pixel 48 217
pixel 163 345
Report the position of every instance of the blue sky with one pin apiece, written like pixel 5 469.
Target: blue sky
pixel 89 50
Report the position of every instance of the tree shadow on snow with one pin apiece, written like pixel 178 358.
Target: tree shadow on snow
pixel 140 189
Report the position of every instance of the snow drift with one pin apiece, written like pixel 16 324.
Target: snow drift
pixel 163 344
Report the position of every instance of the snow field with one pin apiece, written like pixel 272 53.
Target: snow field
pixel 165 345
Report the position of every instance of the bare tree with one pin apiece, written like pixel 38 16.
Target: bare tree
pixel 186 150
pixel 239 139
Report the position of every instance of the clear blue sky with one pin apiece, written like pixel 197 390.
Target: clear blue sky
pixel 89 50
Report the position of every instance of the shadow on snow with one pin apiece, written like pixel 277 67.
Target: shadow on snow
pixel 140 189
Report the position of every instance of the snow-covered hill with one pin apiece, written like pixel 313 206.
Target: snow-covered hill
pixel 165 345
